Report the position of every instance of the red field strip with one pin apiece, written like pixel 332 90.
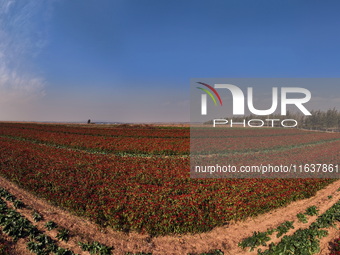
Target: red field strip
pixel 152 195
pixel 244 139
pixel 210 145
pixel 327 154
pixel 118 131
pixel 142 145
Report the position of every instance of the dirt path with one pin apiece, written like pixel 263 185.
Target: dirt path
pixel 225 238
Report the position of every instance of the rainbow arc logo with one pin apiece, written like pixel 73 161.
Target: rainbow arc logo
pixel 204 97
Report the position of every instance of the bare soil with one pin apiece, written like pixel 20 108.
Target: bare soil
pixel 224 238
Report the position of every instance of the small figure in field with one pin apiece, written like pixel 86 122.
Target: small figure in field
pixel 89 121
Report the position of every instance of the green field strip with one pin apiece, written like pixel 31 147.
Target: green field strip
pixel 303 240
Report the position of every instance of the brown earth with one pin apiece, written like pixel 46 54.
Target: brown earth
pixel 224 238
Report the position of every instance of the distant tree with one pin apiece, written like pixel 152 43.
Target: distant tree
pixel 323 120
pixel 89 121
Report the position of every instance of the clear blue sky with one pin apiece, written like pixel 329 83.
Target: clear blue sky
pixel 132 60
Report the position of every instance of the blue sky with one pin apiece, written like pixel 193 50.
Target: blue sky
pixel 132 60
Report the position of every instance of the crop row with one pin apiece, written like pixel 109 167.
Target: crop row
pixel 261 238
pixel 211 144
pixel 154 195
pixel 17 226
pixel 112 131
pixel 151 131
pixel 306 241
pixel 141 145
pixel 303 242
